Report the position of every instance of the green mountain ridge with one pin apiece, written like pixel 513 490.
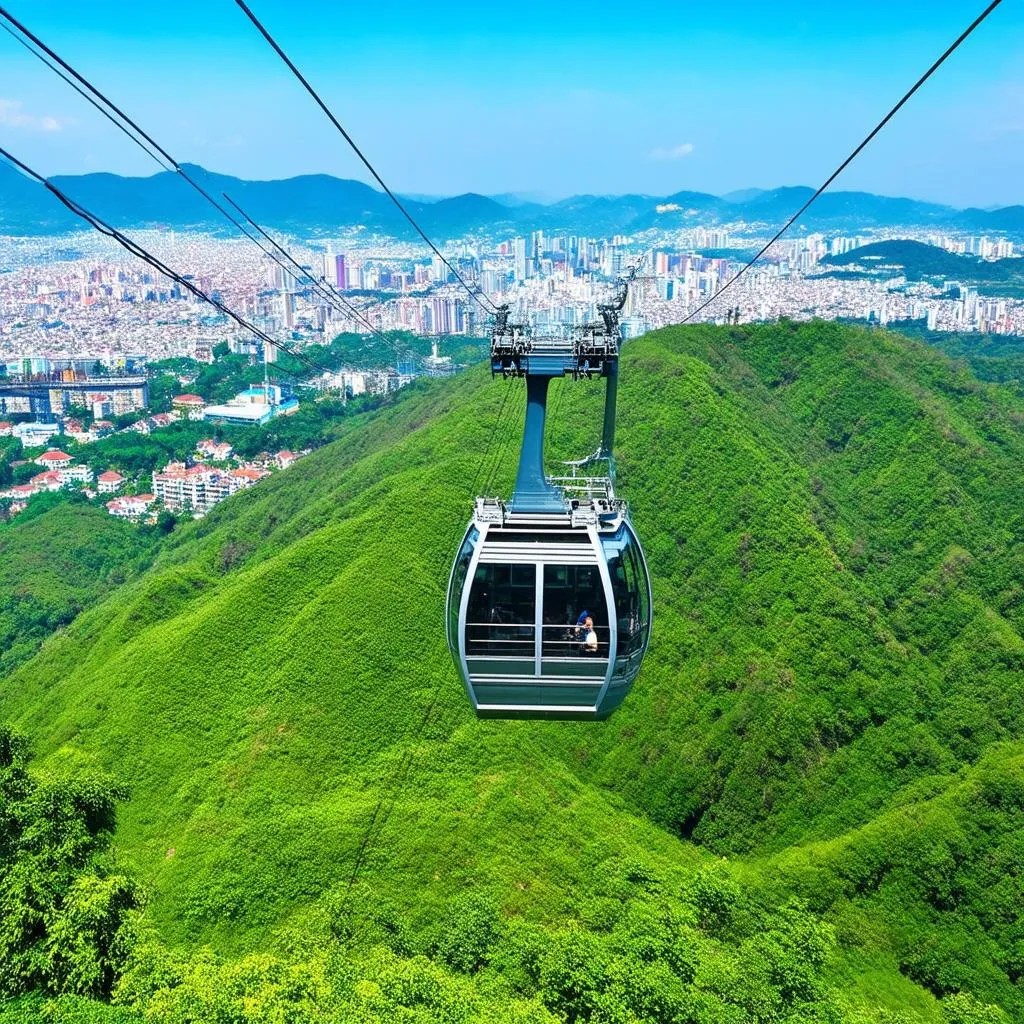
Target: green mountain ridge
pixel 830 711
pixel 920 261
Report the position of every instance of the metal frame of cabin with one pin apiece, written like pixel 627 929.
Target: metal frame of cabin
pixel 516 657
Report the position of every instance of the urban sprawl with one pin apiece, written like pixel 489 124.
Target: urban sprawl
pixel 82 322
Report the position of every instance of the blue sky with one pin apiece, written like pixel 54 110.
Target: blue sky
pixel 539 97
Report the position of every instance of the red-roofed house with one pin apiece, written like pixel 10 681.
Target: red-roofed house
pixel 6 428
pixel 189 406
pixel 109 482
pixel 285 459
pixel 248 475
pixel 21 491
pixel 49 481
pixel 212 450
pixel 130 507
pixel 54 459
pixel 162 419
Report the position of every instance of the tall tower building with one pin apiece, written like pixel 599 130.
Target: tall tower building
pixel 519 258
pixel 340 272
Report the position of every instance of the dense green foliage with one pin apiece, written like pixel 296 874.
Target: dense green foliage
pixel 993 357
pixel 137 455
pixel 642 950
pixel 64 915
pixel 811 807
pixel 57 557
pixel 10 451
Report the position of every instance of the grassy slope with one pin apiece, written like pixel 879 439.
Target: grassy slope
pixel 833 521
pixel 53 565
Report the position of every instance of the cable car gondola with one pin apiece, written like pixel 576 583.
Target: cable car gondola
pixel 549 601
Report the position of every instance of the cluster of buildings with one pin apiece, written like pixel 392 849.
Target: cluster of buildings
pixel 254 406
pixel 791 283
pixel 78 295
pixel 197 488
pixel 53 387
pixel 178 487
pixel 983 246
pixel 57 470
pixel 74 304
pixel 555 283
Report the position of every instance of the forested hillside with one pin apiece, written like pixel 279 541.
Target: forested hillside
pixel 56 560
pixel 810 809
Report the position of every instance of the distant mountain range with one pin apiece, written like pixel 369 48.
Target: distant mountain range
pixel 321 204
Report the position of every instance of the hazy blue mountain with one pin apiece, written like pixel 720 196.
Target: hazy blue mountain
pixel 320 203
pixel 680 208
pixel 1010 219
pixel 26 208
pixel 595 214
pixel 468 212
pixel 840 208
pixel 515 199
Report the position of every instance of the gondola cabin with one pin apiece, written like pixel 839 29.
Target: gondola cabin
pixel 549 602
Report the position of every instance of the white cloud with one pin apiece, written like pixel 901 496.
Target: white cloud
pixel 672 152
pixel 13 115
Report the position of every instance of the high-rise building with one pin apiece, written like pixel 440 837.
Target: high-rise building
pixel 490 282
pixel 519 259
pixel 340 272
pixel 611 261
pixel 440 316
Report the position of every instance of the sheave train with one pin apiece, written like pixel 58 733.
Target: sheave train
pixel 549 602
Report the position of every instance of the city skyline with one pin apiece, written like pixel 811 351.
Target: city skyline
pixel 477 102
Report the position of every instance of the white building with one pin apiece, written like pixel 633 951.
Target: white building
pixel 109 482
pixel 197 487
pixel 130 507
pixel 75 474
pixel 32 434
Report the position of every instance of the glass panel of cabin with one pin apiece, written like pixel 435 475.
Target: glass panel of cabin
pixel 629 587
pixel 572 593
pixel 458 581
pixel 500 616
